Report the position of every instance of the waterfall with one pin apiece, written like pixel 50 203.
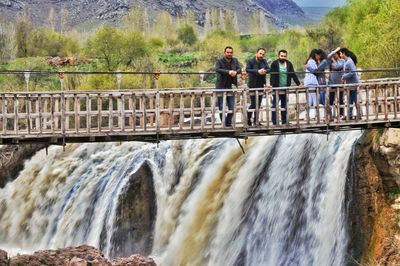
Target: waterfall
pixel 280 203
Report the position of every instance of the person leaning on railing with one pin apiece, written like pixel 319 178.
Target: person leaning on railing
pixel 227 69
pixel 257 68
pixel 282 73
pixel 350 77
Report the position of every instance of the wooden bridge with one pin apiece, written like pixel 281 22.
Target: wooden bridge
pixel 153 115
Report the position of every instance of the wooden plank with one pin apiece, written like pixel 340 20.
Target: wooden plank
pixel 99 111
pixel 134 111
pixel 28 113
pixel 52 113
pixel 88 113
pixel 396 103
pixel 40 113
pixel 4 112
pixel 110 112
pixel 122 112
pixel 158 120
pixel 202 110
pixel 267 108
pixel 385 109
pixel 192 111
pixel 181 108
pixel 144 111
pixel 234 95
pixel 318 115
pixel 76 112
pixel 367 102
pixel 376 102
pixel 297 108
pixel 213 99
pixel 223 109
pixel 16 118
pixel 63 108
pixel 170 112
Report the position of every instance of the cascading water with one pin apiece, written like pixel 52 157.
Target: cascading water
pixel 280 203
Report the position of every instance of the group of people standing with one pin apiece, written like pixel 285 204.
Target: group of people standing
pixel 341 62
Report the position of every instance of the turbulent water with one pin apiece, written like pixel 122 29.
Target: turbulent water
pixel 279 203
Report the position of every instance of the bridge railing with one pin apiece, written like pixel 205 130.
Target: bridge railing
pixel 30 114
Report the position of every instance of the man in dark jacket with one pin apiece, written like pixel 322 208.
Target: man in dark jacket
pixel 257 68
pixel 282 73
pixel 227 69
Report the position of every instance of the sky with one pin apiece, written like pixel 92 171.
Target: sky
pixel 320 3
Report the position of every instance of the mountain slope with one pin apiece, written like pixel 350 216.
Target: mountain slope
pixel 276 12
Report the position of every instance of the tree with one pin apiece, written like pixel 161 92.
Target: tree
pixel 187 35
pixel 107 44
pixel 22 30
pixel 50 22
pixel 6 43
pixel 230 22
pixel 136 20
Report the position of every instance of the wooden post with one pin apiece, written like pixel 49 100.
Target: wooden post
pixel 367 102
pixel 297 108
pixel 122 112
pixel 77 107
pixel 28 113
pixel 4 113
pixel 110 112
pixel 181 114
pixel 40 113
pixel 63 119
pixel 213 97
pixel 267 107
pixel 99 112
pixel 192 110
pixel 171 113
pixel 396 103
pixel 16 118
pixel 52 113
pixel 202 110
pixel 134 111
pixel 317 106
pixel 88 113
pixel 385 109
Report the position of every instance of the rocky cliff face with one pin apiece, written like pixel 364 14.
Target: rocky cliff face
pixel 373 193
pixel 86 12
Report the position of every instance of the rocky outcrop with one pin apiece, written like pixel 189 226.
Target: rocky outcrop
pixel 12 158
pixel 73 256
pixel 136 214
pixel 3 258
pixel 373 186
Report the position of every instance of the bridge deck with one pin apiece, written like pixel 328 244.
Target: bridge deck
pixel 153 115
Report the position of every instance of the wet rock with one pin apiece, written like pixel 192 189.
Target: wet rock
pixel 3 258
pixel 136 214
pixel 373 177
pixel 12 158
pixel 71 256
pixel 134 260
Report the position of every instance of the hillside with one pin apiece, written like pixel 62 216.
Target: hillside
pixel 84 13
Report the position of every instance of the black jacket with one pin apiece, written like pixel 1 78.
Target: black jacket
pixel 274 80
pixel 222 67
pixel 256 80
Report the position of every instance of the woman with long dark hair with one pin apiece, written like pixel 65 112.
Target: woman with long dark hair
pixel 350 77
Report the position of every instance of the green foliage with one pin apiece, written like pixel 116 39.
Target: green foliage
pixel 329 33
pixel 187 35
pixel 107 44
pixel 36 81
pixel 298 46
pixel 22 30
pixel 6 43
pixel 174 60
pixel 212 47
pixel 45 42
pixel 372 32
pixel 251 43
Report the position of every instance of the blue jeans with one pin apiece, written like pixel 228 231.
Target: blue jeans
pixel 352 100
pixel 282 98
pixel 253 106
pixel 229 102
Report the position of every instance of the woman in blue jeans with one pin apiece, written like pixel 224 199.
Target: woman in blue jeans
pixel 350 77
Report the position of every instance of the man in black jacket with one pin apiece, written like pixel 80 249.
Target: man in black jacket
pixel 227 69
pixel 282 73
pixel 257 68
